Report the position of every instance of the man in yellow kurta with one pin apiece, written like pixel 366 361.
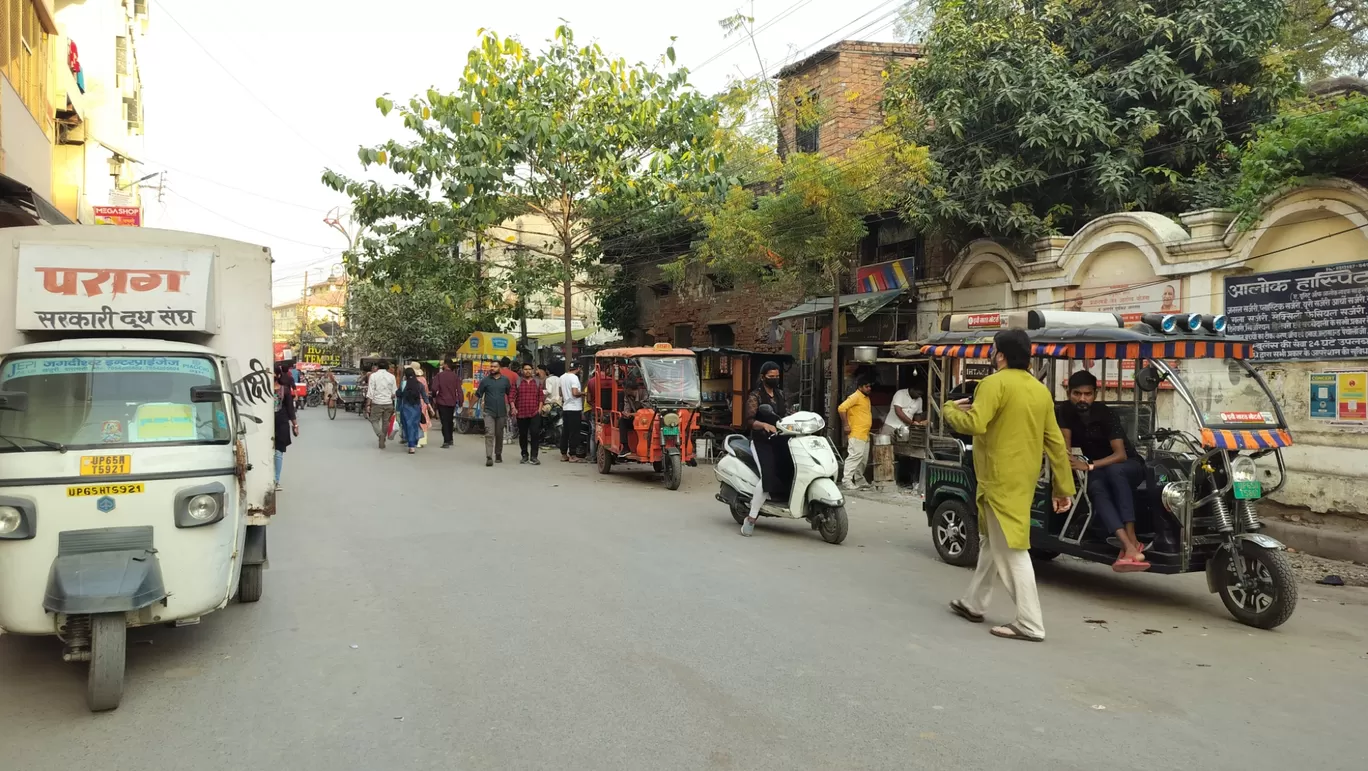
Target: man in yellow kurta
pixel 1012 421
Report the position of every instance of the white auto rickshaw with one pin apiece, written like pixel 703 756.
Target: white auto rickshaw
pixel 135 451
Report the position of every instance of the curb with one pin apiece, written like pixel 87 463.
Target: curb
pixel 1330 544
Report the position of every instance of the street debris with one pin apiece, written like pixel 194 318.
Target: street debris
pixel 1094 621
pixel 354 647
pixel 1152 631
pixel 1312 569
pixel 1098 706
pixel 1332 580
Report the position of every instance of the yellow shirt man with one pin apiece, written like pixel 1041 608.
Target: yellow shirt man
pixel 859 417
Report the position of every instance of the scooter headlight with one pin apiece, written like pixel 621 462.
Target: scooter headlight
pixel 1242 469
pixel 1175 496
pixel 670 419
pixel 202 508
pixel 10 519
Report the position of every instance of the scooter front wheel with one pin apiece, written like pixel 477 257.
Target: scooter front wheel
pixel 833 525
pixel 108 646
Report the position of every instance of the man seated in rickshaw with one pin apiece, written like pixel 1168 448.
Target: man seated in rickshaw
pixel 1113 466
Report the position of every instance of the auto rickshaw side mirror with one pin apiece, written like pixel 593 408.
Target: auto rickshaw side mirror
pixel 1148 379
pixel 14 401
pixel 203 394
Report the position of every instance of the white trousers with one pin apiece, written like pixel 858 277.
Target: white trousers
pixel 758 496
pixel 1014 567
pixel 857 457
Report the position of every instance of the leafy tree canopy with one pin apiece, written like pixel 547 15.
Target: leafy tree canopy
pixel 567 134
pixel 1042 114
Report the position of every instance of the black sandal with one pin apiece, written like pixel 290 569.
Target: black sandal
pixel 958 609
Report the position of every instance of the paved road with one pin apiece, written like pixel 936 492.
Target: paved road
pixel 427 613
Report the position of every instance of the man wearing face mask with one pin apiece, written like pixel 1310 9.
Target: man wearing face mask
pixel 1012 421
pixel 769 449
pixel 1113 466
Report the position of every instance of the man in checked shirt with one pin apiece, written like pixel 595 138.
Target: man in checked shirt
pixel 528 396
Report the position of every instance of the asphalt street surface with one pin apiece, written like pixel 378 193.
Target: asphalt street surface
pixel 426 612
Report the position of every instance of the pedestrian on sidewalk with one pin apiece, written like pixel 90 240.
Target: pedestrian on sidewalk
pixel 286 421
pixel 425 419
pixel 413 405
pixel 446 395
pixel 857 416
pixel 528 398
pixel 573 410
pixel 495 393
pixel 1012 420
pixel 380 401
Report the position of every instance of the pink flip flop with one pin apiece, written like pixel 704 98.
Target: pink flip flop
pixel 1130 566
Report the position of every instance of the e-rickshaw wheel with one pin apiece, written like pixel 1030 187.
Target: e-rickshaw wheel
pixel 954 529
pixel 1274 599
pixel 250 583
pixel 332 411
pixel 604 459
pixel 674 471
pixel 108 649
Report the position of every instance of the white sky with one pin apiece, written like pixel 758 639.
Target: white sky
pixel 319 64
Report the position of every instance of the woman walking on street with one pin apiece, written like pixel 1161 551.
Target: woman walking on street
pixel 413 403
pixel 286 423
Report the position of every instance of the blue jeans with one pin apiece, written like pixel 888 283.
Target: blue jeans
pixel 1112 492
pixel 412 417
pixel 279 462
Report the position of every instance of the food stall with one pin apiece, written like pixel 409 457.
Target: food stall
pixel 479 354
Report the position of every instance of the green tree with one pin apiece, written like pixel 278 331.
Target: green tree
pixel 418 321
pixel 568 134
pixel 1327 37
pixel 1042 114
pixel 806 232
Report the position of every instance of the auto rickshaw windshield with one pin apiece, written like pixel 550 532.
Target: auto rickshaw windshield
pixel 1226 394
pixel 671 378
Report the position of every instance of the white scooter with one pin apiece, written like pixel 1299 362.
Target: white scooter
pixel 814 495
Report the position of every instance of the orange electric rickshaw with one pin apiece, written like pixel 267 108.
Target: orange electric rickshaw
pixel 645 408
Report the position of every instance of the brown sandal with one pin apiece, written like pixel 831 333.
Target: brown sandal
pixel 1014 633
pixel 959 609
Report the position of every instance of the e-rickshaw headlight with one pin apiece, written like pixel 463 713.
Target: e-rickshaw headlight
pixel 10 519
pixel 671 419
pixel 1242 469
pixel 1175 496
pixel 202 508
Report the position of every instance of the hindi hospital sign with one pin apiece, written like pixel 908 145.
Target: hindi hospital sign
pixel 70 287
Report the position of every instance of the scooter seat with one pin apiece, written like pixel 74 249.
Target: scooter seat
pixel 740 447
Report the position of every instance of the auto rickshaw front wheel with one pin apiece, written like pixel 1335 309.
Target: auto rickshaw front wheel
pixel 954 529
pixel 250 583
pixel 1270 593
pixel 108 646
pixel 673 469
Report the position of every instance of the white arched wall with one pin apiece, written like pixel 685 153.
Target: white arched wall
pixel 983 279
pixel 1322 224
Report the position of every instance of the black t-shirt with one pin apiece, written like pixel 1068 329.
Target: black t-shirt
pixel 1093 431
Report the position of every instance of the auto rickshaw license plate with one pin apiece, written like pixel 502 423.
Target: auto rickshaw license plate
pixel 85 491
pixel 1248 491
pixel 105 465
pixel 669 430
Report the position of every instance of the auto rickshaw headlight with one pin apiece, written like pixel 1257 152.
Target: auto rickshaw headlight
pixel 1175 496
pixel 671 419
pixel 202 508
pixel 10 519
pixel 1242 469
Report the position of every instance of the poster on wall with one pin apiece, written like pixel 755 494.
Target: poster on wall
pixel 1339 398
pixel 1131 301
pixel 1303 314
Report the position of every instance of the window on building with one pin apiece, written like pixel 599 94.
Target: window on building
pixel 24 58
pixel 889 239
pixel 723 335
pixel 683 336
pixel 807 128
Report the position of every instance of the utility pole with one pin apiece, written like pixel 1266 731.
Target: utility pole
pixel 302 316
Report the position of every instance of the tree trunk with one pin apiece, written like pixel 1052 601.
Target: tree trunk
pixel 569 263
pixel 834 387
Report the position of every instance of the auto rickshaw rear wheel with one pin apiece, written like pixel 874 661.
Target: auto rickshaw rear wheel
pixel 108 646
pixel 604 459
pixel 1269 602
pixel 250 583
pixel 674 471
pixel 954 529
